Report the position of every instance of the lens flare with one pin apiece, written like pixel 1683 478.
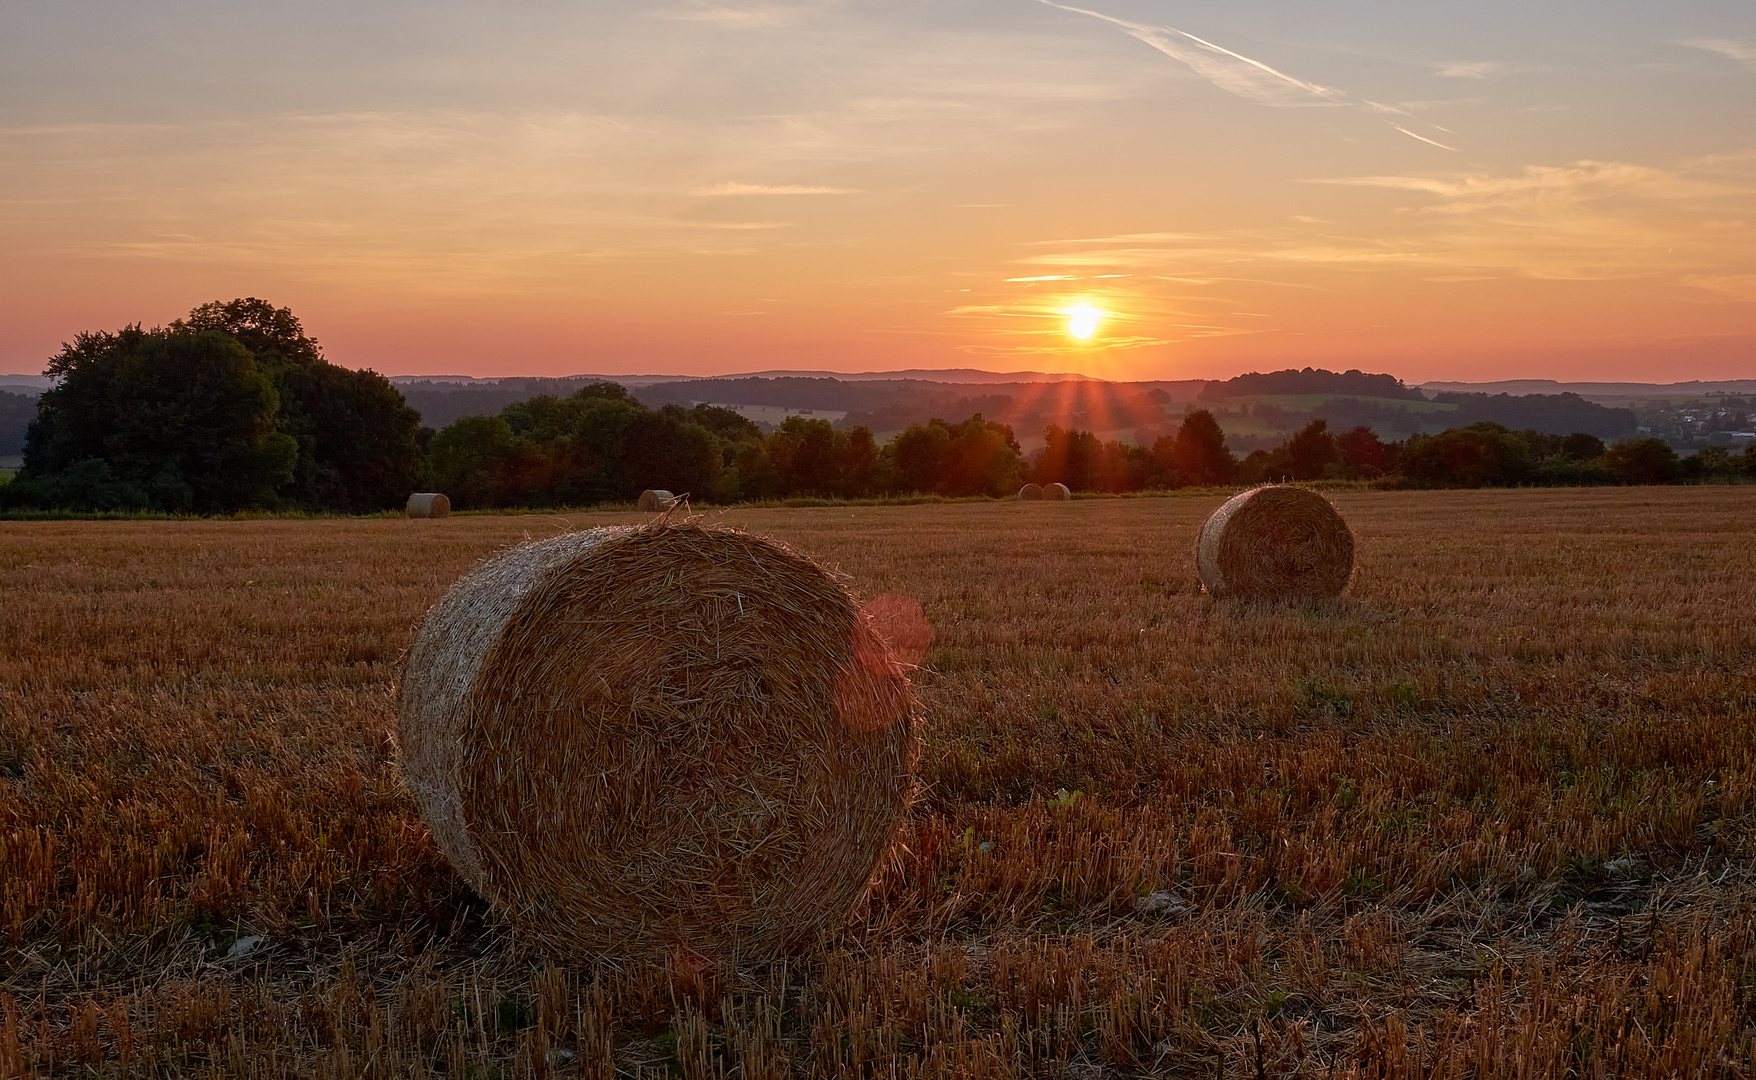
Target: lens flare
pixel 1082 320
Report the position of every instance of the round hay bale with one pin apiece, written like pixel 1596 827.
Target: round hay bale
pixel 641 739
pixel 655 499
pixel 428 504
pixel 1056 492
pixel 1031 491
pixel 1275 541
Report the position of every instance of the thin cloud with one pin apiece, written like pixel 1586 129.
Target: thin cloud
pixel 1737 287
pixel 1743 52
pixel 1546 184
pixel 772 189
pixel 1241 75
pixel 1470 69
pixel 1590 221
pixel 740 16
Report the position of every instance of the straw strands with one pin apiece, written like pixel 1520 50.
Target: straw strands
pixel 428 504
pixel 1275 541
pixel 638 740
pixel 1030 491
pixel 653 500
pixel 1056 492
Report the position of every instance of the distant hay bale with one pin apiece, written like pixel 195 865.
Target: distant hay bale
pixel 1056 492
pixel 653 500
pixel 1275 541
pixel 1031 491
pixel 641 739
pixel 428 504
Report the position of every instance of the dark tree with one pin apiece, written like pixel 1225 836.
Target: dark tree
pixel 1067 458
pixel 974 457
pixel 1643 461
pixel 1476 456
pixel 1311 454
pixel 1199 452
pixel 359 446
pixel 1364 454
pixel 465 459
pixel 1581 446
pixel 176 419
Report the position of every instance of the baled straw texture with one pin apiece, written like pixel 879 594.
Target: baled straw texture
pixel 642 739
pixel 1275 542
pixel 428 504
pixel 1056 492
pixel 1031 491
pixel 656 499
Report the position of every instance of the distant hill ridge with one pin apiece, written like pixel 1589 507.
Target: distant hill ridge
pixel 1522 387
pixel 1350 383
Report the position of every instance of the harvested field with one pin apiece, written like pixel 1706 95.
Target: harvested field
pixel 1489 813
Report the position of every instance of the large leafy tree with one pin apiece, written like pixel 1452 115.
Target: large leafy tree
pixel 1480 455
pixel 1643 461
pixel 1197 454
pixel 974 457
pixel 177 419
pixel 810 457
pixel 358 440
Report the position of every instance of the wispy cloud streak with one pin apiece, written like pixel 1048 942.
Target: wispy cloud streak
pixel 735 188
pixel 1744 52
pixel 1241 75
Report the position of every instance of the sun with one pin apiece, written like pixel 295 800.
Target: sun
pixel 1082 320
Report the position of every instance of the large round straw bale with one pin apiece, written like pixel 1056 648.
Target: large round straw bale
pixel 655 499
pixel 1275 541
pixel 636 740
pixel 1056 492
pixel 1031 491
pixel 428 504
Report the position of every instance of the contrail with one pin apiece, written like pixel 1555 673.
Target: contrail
pixel 1230 71
pixel 1239 74
pixel 1424 139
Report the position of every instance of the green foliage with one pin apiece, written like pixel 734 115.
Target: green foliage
pixel 597 445
pixel 1196 455
pixel 975 457
pixel 810 457
pixel 229 409
pixel 1311 454
pixel 357 437
pixel 1643 461
pixel 1481 455
pixel 1364 454
pixel 180 420
pixel 358 444
pixel 1084 463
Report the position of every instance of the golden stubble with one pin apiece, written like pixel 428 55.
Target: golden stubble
pixel 1490 811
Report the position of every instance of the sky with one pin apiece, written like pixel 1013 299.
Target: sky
pixel 1493 190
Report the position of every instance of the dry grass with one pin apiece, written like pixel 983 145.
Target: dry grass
pixel 1491 814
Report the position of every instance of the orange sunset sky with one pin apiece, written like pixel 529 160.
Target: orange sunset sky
pixel 1440 190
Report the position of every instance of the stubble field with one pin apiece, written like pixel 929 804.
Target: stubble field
pixel 1491 814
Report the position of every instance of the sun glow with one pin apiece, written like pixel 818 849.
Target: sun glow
pixel 1082 320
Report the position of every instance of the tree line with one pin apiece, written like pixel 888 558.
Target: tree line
pixel 231 408
pixel 234 407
